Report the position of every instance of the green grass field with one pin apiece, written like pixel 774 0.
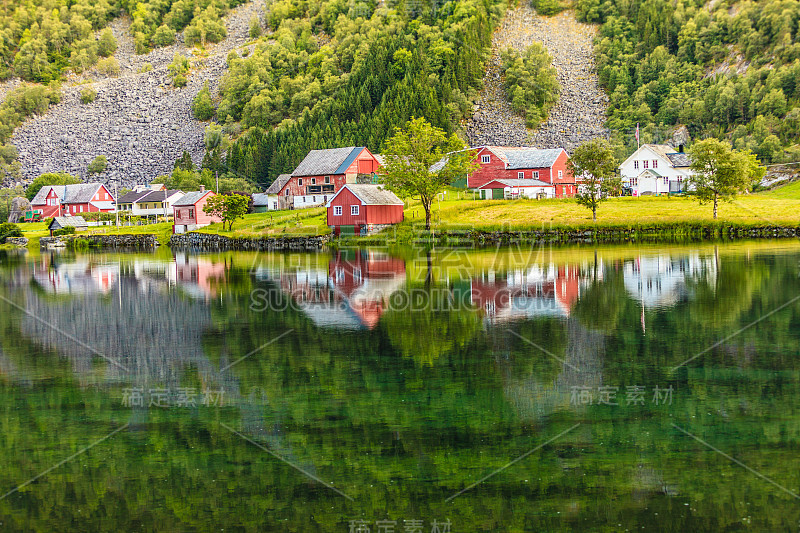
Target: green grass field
pixel 780 206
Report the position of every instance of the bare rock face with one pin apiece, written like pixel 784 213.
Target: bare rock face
pixel 138 120
pixel 580 113
pixel 680 137
pixel 18 207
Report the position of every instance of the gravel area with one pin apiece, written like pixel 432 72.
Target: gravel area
pixel 138 121
pixel 580 112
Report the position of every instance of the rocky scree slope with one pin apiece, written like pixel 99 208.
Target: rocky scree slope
pixel 137 120
pixel 580 112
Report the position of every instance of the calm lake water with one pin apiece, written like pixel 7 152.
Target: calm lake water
pixel 523 389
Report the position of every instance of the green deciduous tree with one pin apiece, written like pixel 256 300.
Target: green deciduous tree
pixel 98 165
pixel 530 82
pixel 203 105
pixel 720 173
pixel 594 165
pixel 228 207
pixel 106 44
pixel 410 158
pixel 59 178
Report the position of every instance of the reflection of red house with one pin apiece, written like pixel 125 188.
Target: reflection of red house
pixel 65 200
pixel 198 276
pixel 367 280
pixel 522 294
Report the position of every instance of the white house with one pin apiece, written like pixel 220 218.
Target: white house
pixel 149 202
pixel 656 169
pixel 275 199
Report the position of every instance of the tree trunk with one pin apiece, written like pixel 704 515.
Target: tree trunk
pixel 594 213
pixel 427 207
pixel 715 206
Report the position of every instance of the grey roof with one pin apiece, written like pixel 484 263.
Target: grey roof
pixel 132 196
pixel 261 199
pixel 69 194
pixel 329 161
pixel 157 196
pixel 190 198
pixel 103 204
pixel 276 186
pixel 680 159
pixel 64 222
pixel 519 183
pixel 373 194
pixel 526 157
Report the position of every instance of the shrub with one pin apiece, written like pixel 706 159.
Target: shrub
pixel 164 36
pixel 23 102
pixel 255 27
pixel 69 230
pixel 180 81
pixel 147 67
pixel 106 44
pixel 547 7
pixel 530 82
pixel 99 164
pixel 178 70
pixel 108 66
pixel 9 230
pixel 203 106
pixel 88 95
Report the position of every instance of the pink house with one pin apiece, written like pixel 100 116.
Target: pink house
pixel 188 212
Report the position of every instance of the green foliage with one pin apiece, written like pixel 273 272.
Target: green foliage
pixel 147 67
pixel 184 162
pixel 7 195
pixel 530 82
pixel 206 27
pixel 411 153
pixel 203 105
pixel 69 230
pixel 178 69
pixel 228 207
pixel 164 36
pixel 188 180
pixel 88 95
pixel 255 27
pixel 720 173
pixel 108 66
pixel 663 63
pixel 371 70
pixel 59 178
pixel 98 165
pixel 9 230
pixel 241 185
pixel 593 162
pixel 23 102
pixel 547 7
pixel 106 44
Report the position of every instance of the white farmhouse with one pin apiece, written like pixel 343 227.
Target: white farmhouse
pixel 656 169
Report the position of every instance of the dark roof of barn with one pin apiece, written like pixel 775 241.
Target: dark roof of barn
pixel 132 196
pixel 68 194
pixel 526 157
pixel 157 196
pixel 276 186
pixel 328 161
pixel 63 222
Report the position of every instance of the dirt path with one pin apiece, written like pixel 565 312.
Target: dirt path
pixel 579 113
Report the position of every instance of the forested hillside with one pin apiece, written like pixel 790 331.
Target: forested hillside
pixel 338 74
pixel 724 68
pixel 43 38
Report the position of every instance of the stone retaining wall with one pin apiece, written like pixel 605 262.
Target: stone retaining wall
pixel 17 241
pixel 211 241
pixel 138 241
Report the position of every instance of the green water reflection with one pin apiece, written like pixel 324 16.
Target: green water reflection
pixel 306 392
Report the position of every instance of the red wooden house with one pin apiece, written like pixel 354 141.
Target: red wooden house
pixel 322 173
pixel 360 209
pixel 522 163
pixel 70 200
pixel 189 214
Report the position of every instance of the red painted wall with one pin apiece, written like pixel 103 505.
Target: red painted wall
pixel 183 217
pixel 367 214
pixel 496 169
pixel 364 163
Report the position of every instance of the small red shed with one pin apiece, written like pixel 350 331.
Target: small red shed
pixel 189 214
pixel 360 209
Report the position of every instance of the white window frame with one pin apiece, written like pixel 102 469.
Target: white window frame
pixel 486 158
pixel 354 209
pixel 520 175
pixel 313 181
pixel 300 181
pixel 561 174
pixel 646 163
pixel 655 163
pixel 636 165
pixel 327 179
pixel 535 174
pixel 337 210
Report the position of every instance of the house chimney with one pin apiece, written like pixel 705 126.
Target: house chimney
pixel 680 148
pixel 202 188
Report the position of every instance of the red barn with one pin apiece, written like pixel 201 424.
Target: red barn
pixel 522 163
pixel 323 172
pixel 189 214
pixel 360 209
pixel 70 200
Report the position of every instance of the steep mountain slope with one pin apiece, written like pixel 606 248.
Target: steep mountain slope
pixel 578 115
pixel 138 120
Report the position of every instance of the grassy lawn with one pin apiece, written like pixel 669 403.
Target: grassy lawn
pixel 302 222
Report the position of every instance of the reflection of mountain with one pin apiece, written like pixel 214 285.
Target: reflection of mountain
pixel 519 294
pixel 663 280
pixel 352 294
